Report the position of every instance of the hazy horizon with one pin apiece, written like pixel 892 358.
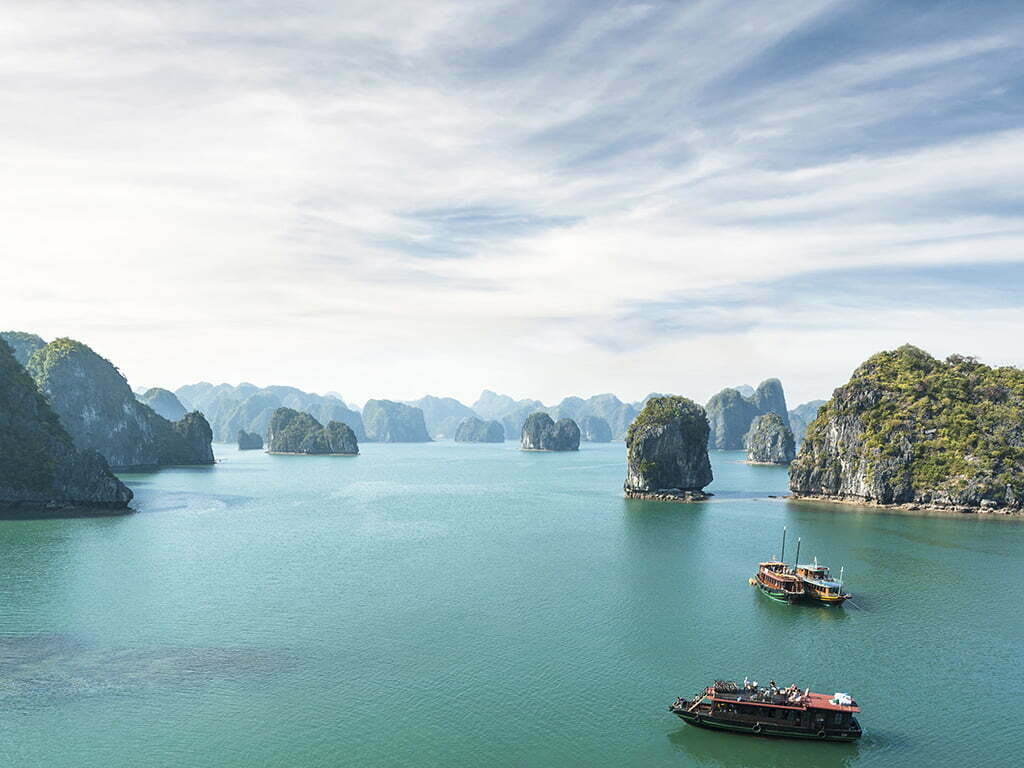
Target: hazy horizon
pixel 390 200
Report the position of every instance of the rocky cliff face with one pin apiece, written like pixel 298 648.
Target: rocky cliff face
pixel 770 441
pixel 594 429
pixel 163 402
pixel 474 430
pixel 293 432
pixel 801 416
pixel 39 465
pixel 910 429
pixel 249 441
pixel 390 422
pixel 442 415
pixel 769 398
pixel 542 433
pixel 667 451
pixel 730 414
pixel 22 344
pixel 99 410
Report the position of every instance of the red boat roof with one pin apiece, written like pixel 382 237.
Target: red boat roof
pixel 824 701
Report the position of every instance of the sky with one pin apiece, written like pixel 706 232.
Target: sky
pixel 390 199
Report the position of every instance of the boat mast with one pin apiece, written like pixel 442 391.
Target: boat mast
pixel 841 569
pixel 797 563
pixel 782 559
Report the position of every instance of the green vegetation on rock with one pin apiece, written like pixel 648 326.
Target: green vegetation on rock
pixel 667 448
pixel 99 410
pixel 910 428
pixel 291 431
pixel 39 465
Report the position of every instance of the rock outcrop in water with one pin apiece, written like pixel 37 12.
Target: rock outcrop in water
pixel 730 414
pixel 99 410
pixel 164 402
pixel 442 415
pixel 594 429
pixel 248 407
pixel 22 344
pixel 542 433
pixel 908 429
pixel 390 422
pixel 39 465
pixel 474 430
pixel 293 432
pixel 249 441
pixel 667 451
pixel 770 441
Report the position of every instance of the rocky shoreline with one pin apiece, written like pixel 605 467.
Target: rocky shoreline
pixel 676 496
pixel 856 501
pixel 301 453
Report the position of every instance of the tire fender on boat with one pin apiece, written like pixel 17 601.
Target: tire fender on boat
pixel 696 719
pixel 756 728
pixel 821 734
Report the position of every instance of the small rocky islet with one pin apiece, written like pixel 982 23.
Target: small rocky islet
pixel 667 451
pixel 292 431
pixel 475 430
pixel 249 441
pixel 542 433
pixel 770 441
pixel 386 421
pixel 731 413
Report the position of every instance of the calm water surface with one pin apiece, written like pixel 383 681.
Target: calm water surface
pixel 474 605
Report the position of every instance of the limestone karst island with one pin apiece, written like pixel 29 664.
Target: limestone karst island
pixel 609 384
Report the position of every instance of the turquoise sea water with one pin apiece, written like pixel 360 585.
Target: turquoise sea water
pixel 474 605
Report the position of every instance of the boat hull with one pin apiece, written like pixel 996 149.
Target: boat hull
pixel 779 595
pixel 765 729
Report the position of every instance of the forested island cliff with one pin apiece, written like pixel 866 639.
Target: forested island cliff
pixel 908 429
pixel 40 468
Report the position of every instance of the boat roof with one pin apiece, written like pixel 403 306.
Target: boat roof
pixel 823 583
pixel 813 567
pixel 810 701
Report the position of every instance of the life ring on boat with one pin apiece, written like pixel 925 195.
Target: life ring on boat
pixel 756 728
pixel 821 734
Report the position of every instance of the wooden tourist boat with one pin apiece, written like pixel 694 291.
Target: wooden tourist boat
pixel 777 580
pixel 771 711
pixel 819 586
pixel 800 584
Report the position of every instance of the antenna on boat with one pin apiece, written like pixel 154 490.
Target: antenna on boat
pixel 783 558
pixel 797 564
pixel 841 569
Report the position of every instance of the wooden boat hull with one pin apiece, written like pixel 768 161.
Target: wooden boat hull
pixel 766 729
pixel 779 595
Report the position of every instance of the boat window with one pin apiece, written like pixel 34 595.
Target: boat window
pixel 784 715
pixel 771 712
pixel 838 719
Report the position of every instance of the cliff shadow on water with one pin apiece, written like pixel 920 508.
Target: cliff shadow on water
pixel 10 512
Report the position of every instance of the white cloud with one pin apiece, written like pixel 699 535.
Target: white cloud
pixel 393 198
